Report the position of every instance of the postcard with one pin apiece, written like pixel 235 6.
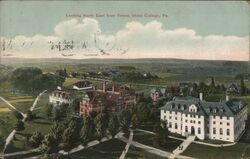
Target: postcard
pixel 124 79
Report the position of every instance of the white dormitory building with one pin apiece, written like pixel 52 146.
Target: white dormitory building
pixel 225 120
pixel 60 97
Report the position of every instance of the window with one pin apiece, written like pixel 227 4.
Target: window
pixel 199 122
pixel 175 113
pixel 170 117
pixel 227 118
pixel 228 132
pixel 214 130
pixel 164 117
pixel 170 112
pixel 170 125
pixel 220 123
pixel 175 118
pixel 214 122
pixel 199 130
pixel 191 121
pixel 176 126
pixel 194 121
pixel 228 124
pixel 220 117
pixel 221 131
pixel 186 129
pixel 214 116
pixel 199 116
pixel 186 121
pixel 208 130
pixel 186 115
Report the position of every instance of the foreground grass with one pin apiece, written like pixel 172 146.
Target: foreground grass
pixel 240 150
pixel 141 154
pixel 147 139
pixel 108 150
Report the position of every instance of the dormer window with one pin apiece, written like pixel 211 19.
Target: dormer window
pixel 179 106
pixel 222 110
pixel 215 110
pixel 172 106
pixel 183 107
pixel 193 108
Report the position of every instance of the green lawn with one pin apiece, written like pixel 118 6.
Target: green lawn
pixel 24 156
pixel 69 82
pixel 147 139
pixel 108 150
pixel 22 103
pixel 238 151
pixel 136 153
pixel 7 122
pixel 149 126
pixel 214 141
pixel 40 124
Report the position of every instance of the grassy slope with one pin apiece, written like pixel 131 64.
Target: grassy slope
pixel 141 154
pixel 40 124
pixel 147 139
pixel 108 150
pixel 206 152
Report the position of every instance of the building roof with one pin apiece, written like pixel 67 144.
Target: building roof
pixel 62 94
pixel 224 108
pixel 160 90
pixel 107 99
pixel 82 84
pixel 234 87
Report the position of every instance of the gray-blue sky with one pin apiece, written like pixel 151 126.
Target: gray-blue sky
pixel 206 18
pixel 192 29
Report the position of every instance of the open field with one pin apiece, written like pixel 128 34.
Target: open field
pixel 40 124
pixel 4 110
pixel 7 120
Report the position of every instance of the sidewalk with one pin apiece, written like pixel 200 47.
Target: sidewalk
pixel 124 152
pixel 197 142
pixel 152 150
pixel 183 146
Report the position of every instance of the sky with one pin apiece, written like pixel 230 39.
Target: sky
pixel 161 29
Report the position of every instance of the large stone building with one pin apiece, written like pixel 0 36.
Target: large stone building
pixel 224 120
pixel 59 97
pixel 111 98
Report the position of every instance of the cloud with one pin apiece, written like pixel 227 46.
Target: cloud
pixel 150 40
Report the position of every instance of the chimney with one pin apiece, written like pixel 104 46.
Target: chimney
pixel 227 97
pixel 201 96
pixel 113 88
pixel 104 86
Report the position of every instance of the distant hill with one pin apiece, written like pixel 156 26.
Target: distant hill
pixel 192 67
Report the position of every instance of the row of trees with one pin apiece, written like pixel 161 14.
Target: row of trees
pixel 134 76
pixel 144 111
pixel 32 80
pixel 69 133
